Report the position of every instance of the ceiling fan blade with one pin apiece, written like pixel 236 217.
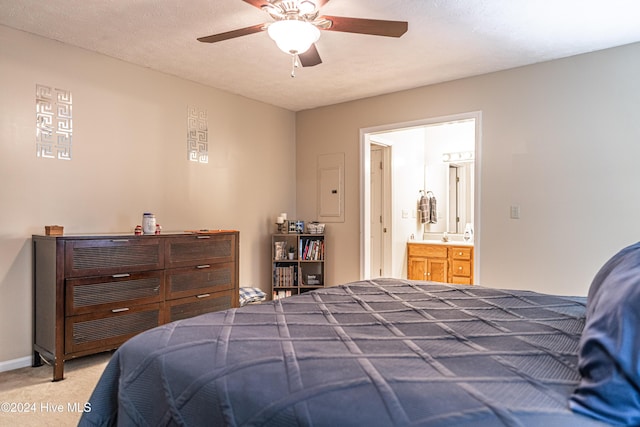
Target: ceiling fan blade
pixel 232 34
pixel 374 27
pixel 310 58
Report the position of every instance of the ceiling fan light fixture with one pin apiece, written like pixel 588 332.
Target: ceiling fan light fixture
pixel 293 36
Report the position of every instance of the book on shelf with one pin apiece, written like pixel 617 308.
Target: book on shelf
pixel 281 293
pixel 284 276
pixel 311 249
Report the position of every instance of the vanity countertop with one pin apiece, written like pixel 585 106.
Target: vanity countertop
pixel 440 242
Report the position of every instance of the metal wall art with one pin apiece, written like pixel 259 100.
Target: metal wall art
pixel 197 135
pixel 54 123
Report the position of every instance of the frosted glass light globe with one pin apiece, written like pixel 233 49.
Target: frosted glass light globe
pixel 293 36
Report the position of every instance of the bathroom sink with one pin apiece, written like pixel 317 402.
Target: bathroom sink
pixel 440 242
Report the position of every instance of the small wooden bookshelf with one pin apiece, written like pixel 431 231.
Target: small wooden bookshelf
pixel 303 270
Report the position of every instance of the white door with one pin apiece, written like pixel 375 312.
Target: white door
pixel 377 212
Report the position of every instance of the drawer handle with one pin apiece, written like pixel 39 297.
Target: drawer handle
pixel 119 310
pixel 203 237
pixel 460 253
pixel 460 268
pixel 203 266
pixel 119 240
pixel 118 276
pixel 203 295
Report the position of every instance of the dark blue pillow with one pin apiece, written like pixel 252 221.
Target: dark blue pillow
pixel 609 358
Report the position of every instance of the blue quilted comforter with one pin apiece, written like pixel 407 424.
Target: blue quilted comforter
pixel 372 353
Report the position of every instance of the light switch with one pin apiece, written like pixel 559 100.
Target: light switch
pixel 405 213
pixel 515 212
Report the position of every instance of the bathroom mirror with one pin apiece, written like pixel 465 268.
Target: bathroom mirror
pixel 449 160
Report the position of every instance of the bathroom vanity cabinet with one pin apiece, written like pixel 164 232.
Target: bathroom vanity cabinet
pixel 440 262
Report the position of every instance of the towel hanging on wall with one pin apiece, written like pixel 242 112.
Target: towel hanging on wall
pixel 427 208
pixel 423 209
pixel 433 210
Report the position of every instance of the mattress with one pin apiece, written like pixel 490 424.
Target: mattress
pixel 383 352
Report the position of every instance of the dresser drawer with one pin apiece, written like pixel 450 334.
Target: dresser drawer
pixel 108 329
pixel 97 257
pixel 431 251
pixel 200 249
pixel 205 278
pixel 92 294
pixel 460 252
pixel 184 308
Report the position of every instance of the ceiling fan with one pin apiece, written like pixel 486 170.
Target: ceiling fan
pixel 296 28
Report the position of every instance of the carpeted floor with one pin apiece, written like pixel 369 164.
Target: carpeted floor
pixel 28 397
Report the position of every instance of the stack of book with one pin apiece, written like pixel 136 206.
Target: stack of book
pixel 284 276
pixel 281 293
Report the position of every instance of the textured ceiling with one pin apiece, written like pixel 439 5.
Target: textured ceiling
pixel 446 40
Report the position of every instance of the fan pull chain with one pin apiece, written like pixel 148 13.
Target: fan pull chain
pixel 294 65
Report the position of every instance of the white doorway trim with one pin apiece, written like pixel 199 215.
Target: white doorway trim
pixel 365 184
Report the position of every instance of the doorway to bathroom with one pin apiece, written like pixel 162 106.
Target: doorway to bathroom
pixel 401 162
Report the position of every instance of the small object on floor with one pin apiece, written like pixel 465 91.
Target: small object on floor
pixel 249 295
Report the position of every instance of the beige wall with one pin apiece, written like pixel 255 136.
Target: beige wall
pixel 129 156
pixel 560 139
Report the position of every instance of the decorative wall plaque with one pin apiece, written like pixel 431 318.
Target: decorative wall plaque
pixel 197 135
pixel 54 123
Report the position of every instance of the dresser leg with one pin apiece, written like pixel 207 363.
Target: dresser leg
pixel 37 360
pixel 58 370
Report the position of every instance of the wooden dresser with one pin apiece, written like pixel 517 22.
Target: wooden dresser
pixel 440 262
pixel 92 293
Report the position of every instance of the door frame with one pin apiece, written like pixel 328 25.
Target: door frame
pixel 365 184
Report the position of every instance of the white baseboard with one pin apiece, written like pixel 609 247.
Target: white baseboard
pixel 10 365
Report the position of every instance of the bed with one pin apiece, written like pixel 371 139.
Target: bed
pixel 383 352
